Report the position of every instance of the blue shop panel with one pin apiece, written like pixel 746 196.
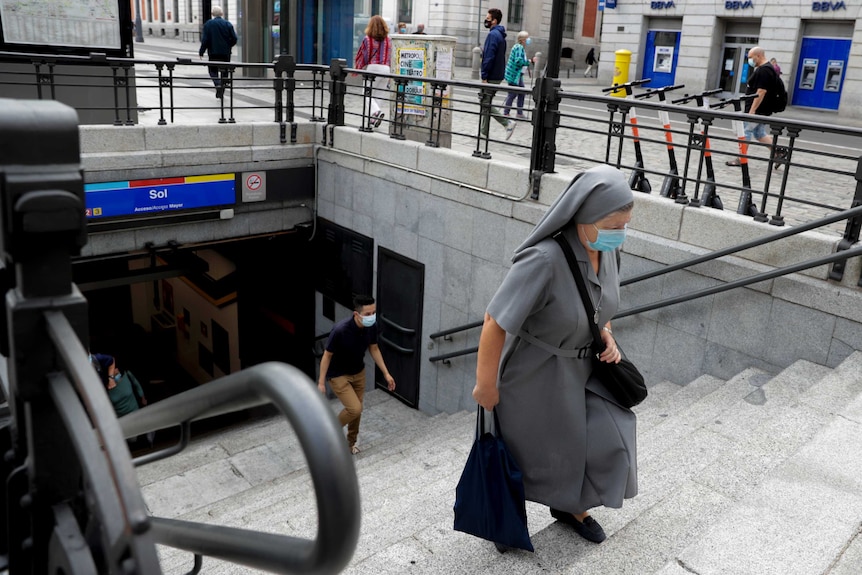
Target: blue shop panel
pixel 662 53
pixel 325 31
pixel 820 72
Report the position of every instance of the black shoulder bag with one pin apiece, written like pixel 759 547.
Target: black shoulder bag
pixel 622 379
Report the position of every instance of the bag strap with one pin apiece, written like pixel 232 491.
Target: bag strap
pixel 480 423
pixel 582 286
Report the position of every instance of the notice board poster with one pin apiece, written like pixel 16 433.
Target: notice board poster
pixel 85 23
pixel 411 62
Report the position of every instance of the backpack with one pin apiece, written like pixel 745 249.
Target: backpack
pixel 778 95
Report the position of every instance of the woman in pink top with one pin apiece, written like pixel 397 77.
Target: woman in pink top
pixel 373 56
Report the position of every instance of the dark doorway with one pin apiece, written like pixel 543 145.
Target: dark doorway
pixel 400 293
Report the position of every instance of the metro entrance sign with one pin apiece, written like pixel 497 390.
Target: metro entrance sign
pixel 141 197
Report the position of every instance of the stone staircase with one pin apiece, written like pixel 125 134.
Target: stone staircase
pixel 756 475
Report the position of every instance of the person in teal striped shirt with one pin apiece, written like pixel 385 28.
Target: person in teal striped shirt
pixel 515 74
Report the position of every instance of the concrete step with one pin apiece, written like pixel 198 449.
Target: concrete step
pixel 655 411
pixel 804 516
pixel 698 407
pixel 705 467
pixel 675 498
pixel 403 464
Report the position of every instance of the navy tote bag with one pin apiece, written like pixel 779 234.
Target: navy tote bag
pixel 489 498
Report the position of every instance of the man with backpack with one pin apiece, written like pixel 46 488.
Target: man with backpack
pixel 763 82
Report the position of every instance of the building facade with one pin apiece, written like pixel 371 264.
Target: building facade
pixel 316 32
pixel 703 44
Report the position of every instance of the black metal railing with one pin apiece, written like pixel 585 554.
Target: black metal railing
pixel 72 503
pixel 801 175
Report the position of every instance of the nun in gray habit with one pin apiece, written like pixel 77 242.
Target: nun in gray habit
pixel 574 444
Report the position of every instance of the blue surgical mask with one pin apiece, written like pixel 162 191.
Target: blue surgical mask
pixel 368 320
pixel 751 62
pixel 528 41
pixel 607 240
pixel 117 376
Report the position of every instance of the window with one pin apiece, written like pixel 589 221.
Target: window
pixel 516 13
pixel 569 14
pixel 405 11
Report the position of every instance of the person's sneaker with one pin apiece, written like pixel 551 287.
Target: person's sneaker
pixel 510 128
pixel 354 449
pixel 378 120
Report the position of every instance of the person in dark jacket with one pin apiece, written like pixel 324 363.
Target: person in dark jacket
pixel 218 38
pixel 493 71
pixel 590 61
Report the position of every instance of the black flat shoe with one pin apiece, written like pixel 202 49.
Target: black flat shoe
pixel 501 548
pixel 589 529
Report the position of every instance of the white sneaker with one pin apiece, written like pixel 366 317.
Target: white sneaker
pixel 510 128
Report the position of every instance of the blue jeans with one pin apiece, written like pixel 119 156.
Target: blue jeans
pixel 511 98
pixel 754 131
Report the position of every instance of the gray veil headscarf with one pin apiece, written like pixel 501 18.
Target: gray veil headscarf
pixel 592 195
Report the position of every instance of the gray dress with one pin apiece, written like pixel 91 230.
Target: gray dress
pixel 574 444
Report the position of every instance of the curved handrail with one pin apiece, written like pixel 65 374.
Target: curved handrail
pixel 330 466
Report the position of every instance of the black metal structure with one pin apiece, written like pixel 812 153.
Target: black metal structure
pixel 71 502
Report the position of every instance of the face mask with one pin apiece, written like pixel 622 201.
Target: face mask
pixel 368 320
pixel 117 376
pixel 607 240
pixel 403 30
pixel 488 23
pixel 528 41
pixel 751 62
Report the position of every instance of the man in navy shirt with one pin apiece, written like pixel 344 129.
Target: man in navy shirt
pixel 493 70
pixel 343 363
pixel 218 38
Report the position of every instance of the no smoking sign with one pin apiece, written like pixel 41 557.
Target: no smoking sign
pixel 253 186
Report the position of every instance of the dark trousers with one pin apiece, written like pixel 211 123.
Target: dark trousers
pixel 218 73
pixel 511 98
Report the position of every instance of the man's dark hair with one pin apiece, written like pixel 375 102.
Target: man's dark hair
pixel 360 301
pixel 496 14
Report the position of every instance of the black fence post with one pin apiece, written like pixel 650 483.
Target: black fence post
pixel 337 90
pixel 851 230
pixel 285 65
pixel 546 120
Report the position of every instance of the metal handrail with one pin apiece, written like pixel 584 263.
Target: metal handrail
pixel 329 464
pixel 843 255
pixel 464 327
pixel 835 257
pixel 744 246
pixel 447 356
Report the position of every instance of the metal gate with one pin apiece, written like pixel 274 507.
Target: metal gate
pixel 400 293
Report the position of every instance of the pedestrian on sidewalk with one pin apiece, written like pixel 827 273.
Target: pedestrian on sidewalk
pixel 761 81
pixel 775 66
pixel 515 75
pixel 218 39
pixel 591 61
pixel 374 55
pixel 343 363
pixel 493 71
pixel 575 446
